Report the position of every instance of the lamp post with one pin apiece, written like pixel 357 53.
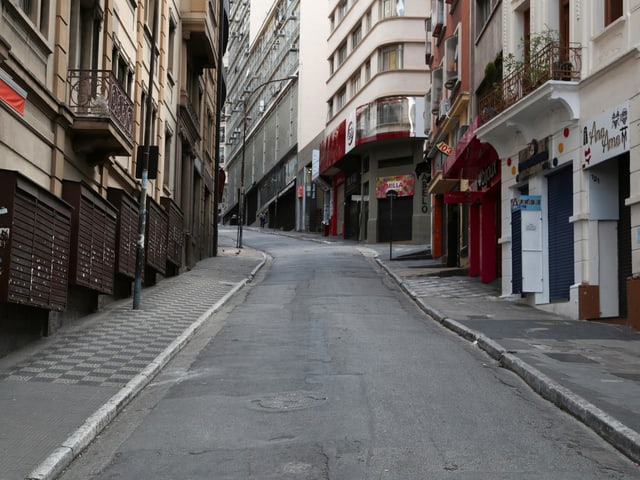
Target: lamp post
pixel 244 141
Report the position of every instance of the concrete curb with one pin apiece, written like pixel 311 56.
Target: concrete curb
pixel 614 432
pixel 62 456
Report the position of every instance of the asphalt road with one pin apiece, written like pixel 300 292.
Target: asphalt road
pixel 324 369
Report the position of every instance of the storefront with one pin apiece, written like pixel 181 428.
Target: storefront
pixel 479 204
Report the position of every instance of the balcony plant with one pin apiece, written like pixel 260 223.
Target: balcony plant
pixel 533 65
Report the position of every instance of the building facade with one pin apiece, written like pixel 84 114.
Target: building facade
pixel 261 157
pixel 551 143
pixel 84 90
pixel 375 128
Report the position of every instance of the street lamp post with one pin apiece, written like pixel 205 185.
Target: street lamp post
pixel 241 198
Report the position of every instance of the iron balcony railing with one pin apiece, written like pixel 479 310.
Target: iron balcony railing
pixel 98 94
pixel 552 62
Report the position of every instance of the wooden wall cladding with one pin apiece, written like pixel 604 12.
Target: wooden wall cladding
pixel 156 237
pixel 175 231
pixel 126 231
pixel 93 238
pixel 35 232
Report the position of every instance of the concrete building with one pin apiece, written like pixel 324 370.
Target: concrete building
pixel 82 87
pixel 375 128
pixel 261 155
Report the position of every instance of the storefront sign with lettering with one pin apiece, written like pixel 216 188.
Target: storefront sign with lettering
pixel 606 136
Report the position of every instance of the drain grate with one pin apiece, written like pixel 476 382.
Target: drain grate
pixel 570 357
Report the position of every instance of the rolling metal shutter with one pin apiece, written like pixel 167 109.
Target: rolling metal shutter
pixel 516 252
pixel 560 234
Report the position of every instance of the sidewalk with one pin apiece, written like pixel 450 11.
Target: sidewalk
pixel 57 395
pixel 589 369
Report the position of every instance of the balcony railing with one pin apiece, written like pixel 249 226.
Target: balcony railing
pixel 97 94
pixel 553 62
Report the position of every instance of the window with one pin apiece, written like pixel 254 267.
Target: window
pixel 391 57
pixel 342 53
pixel 355 83
pixel 612 11
pixel 356 36
pixel 167 158
pixel 341 98
pixel 331 66
pixel 329 110
pixel 367 71
pixel 342 9
pixel 484 8
pixel 368 22
pixel 391 8
pixel 172 46
pixel 38 12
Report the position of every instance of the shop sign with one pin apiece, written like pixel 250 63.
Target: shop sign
pixel 404 185
pixel 606 136
pixel 486 175
pixel 526 202
pixel 462 197
pixel 445 148
pixel 532 159
pixel 300 191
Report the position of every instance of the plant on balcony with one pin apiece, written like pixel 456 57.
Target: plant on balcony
pixel 534 64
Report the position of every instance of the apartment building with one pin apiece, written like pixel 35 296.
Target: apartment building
pixel 85 88
pixel 261 113
pixel 375 123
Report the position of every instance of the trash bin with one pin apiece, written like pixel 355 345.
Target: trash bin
pixel 325 229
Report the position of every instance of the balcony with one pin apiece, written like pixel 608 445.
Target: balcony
pixel 198 30
pixel 189 118
pixel 103 114
pixel 554 62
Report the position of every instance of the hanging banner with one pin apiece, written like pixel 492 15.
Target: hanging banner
pixel 404 185
pixel 11 93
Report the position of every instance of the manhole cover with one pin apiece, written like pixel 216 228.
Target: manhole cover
pixel 287 401
pixel 570 357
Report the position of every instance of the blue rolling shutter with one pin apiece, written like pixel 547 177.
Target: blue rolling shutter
pixel 516 252
pixel 560 235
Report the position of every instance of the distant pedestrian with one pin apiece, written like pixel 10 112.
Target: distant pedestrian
pixel 263 219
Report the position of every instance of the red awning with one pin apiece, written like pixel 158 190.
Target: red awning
pixel 469 156
pixel 11 93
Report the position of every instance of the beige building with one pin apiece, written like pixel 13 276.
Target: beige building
pixel 80 92
pixel 375 121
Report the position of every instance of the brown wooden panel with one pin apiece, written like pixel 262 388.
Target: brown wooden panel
pixel 156 237
pixel 34 241
pixel 175 231
pixel 92 235
pixel 126 231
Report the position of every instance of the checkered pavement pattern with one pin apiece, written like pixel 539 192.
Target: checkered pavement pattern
pixel 450 287
pixel 118 343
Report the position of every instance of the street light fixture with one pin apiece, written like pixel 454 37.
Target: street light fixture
pixel 245 100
